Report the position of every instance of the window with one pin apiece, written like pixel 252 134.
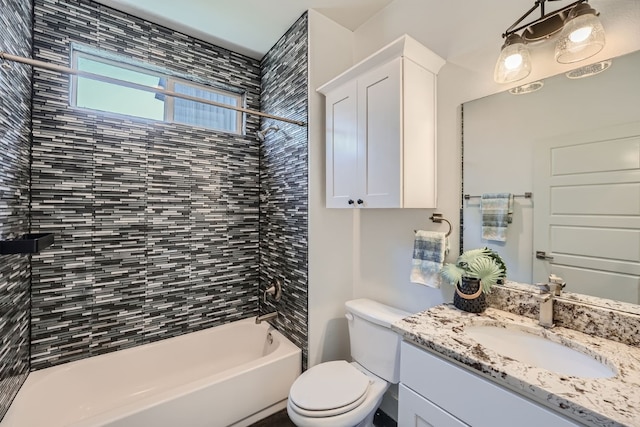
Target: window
pixel 115 98
pixel 98 95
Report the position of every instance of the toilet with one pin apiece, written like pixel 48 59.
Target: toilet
pixel 343 394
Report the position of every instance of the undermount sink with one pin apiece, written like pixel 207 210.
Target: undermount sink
pixel 525 346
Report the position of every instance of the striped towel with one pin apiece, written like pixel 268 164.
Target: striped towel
pixel 429 250
pixel 497 214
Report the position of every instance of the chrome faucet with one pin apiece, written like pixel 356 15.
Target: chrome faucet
pixel 556 285
pixel 547 293
pixel 546 310
pixel 265 317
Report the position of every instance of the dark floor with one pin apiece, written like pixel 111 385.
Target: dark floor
pixel 280 419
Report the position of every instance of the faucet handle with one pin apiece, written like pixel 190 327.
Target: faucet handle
pixel 275 290
pixel 556 279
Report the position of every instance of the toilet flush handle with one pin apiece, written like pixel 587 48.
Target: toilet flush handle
pixel 349 316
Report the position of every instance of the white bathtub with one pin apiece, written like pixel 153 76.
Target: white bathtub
pixel 230 375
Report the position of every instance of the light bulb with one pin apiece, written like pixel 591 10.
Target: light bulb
pixel 581 34
pixel 513 61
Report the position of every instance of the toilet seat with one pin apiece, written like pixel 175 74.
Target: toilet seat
pixel 356 414
pixel 329 389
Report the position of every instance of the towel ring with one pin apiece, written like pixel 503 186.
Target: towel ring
pixel 437 217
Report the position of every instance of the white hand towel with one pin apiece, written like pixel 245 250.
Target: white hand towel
pixel 497 214
pixel 429 250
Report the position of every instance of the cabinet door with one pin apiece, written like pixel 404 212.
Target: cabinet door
pixel 341 146
pixel 416 411
pixel 380 137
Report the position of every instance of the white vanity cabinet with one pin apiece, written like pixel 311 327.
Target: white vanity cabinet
pixel 381 130
pixel 435 392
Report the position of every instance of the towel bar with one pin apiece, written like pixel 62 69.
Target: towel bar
pixel 526 195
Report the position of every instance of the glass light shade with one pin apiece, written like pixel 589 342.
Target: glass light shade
pixel 581 38
pixel 514 62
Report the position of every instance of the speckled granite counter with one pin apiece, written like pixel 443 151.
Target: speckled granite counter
pixel 593 401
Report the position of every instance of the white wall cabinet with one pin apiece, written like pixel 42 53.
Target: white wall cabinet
pixel 437 393
pixel 381 130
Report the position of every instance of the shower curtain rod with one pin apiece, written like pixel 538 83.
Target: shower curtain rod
pixel 67 70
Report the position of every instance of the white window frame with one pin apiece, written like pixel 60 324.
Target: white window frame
pixel 170 84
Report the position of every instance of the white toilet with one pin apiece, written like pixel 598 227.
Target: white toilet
pixel 342 394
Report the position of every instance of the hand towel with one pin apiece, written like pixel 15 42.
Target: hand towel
pixel 429 250
pixel 497 214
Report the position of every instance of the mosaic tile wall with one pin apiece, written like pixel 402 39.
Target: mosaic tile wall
pixel 156 224
pixel 15 140
pixel 284 183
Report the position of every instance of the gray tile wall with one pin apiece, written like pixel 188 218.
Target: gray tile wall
pixel 284 183
pixel 15 140
pixel 156 224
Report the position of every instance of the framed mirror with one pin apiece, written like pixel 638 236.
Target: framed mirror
pixel 575 145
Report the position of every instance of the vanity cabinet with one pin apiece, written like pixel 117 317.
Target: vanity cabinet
pixel 435 392
pixel 381 130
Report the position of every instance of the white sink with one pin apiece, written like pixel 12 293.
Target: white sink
pixel 525 346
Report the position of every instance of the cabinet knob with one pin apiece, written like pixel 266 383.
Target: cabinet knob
pixel 360 201
pixel 350 202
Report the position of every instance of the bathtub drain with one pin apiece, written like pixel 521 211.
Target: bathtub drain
pixel 270 338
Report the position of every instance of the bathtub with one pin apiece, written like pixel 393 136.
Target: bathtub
pixel 230 375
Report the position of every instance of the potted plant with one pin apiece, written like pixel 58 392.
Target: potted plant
pixel 473 274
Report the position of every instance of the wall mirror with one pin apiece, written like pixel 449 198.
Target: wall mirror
pixel 575 145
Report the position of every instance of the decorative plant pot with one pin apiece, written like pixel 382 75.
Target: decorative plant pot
pixel 469 296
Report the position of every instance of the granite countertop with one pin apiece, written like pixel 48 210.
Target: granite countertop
pixel 593 401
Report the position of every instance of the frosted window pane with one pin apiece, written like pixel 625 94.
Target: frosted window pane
pixel 199 114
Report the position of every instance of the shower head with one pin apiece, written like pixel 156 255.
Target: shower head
pixel 262 134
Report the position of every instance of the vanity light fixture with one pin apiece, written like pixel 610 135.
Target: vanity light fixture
pixel 581 36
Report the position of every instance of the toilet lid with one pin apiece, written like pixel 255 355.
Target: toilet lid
pixel 329 386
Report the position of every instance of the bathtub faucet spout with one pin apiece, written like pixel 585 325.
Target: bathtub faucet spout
pixel 265 317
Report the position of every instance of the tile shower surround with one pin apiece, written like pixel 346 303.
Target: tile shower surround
pixel 284 183
pixel 15 127
pixel 156 224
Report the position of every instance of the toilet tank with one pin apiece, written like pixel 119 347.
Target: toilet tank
pixel 373 344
